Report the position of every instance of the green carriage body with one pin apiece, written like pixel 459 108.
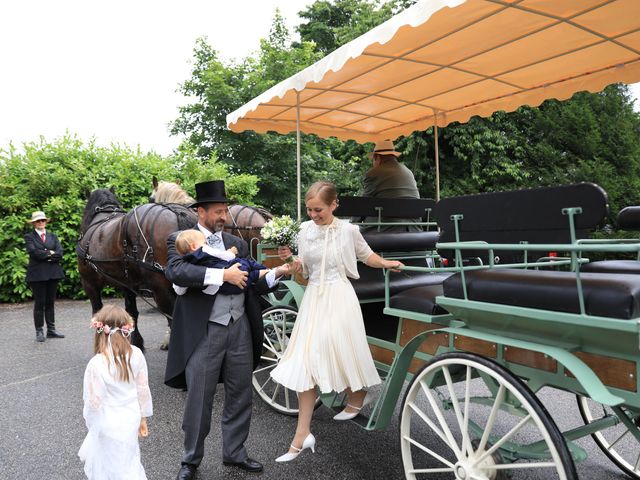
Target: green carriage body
pixel 589 355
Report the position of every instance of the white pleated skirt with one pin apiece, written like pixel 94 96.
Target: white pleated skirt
pixel 328 345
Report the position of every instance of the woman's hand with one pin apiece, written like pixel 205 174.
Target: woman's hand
pixel 393 265
pixel 289 268
pixel 143 431
pixel 284 253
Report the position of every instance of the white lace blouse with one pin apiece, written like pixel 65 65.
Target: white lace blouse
pixel 329 252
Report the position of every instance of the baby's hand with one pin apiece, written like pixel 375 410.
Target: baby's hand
pixel 143 431
pixel 233 250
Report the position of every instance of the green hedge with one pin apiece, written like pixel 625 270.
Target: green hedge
pixel 57 177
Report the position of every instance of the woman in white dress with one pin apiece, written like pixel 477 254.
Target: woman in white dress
pixel 328 346
pixel 117 400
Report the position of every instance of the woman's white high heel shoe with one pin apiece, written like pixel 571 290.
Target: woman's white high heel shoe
pixel 309 442
pixel 344 415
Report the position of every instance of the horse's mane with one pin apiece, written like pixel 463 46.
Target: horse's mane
pixel 98 198
pixel 170 192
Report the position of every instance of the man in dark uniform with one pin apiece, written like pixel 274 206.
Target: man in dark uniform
pixel 213 336
pixel 43 274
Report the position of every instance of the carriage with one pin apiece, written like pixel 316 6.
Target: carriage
pixel 501 300
pixel 487 312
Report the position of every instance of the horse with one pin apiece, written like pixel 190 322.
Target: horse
pixel 128 250
pixel 245 221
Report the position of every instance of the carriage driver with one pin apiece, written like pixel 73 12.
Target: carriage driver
pixel 215 337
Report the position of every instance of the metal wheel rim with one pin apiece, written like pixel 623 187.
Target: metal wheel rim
pixel 463 451
pixel 609 447
pixel 278 323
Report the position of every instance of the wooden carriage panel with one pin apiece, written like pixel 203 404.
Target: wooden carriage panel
pixel 411 328
pixel 416 364
pixel 271 262
pixel 529 358
pixel 613 372
pixel 382 355
pixel 473 345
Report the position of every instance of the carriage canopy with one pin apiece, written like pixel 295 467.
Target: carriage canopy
pixel 442 61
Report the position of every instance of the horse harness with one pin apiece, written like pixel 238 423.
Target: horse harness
pixel 254 210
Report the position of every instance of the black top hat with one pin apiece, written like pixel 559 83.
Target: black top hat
pixel 210 192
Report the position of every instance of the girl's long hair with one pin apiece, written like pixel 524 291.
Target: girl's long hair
pixel 114 316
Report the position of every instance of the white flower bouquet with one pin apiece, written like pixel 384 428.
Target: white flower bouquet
pixel 281 231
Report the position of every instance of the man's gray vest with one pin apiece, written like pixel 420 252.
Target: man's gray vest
pixel 227 307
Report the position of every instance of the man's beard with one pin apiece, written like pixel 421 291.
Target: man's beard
pixel 216 227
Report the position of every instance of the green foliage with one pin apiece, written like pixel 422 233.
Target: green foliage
pixel 56 177
pixel 591 137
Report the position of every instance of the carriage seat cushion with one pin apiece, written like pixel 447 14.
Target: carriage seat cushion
pixel 419 299
pixel 370 285
pixel 401 242
pixel 613 266
pixel 606 295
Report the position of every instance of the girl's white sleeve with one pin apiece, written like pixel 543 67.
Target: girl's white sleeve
pixel 93 393
pixel 141 377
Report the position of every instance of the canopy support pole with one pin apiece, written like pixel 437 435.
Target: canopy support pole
pixel 298 188
pixel 437 154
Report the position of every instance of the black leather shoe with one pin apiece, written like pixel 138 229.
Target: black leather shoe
pixel 54 334
pixel 39 336
pixel 249 465
pixel 187 472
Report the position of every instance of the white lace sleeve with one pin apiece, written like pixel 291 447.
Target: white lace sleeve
pixel 363 250
pixel 141 377
pixel 301 247
pixel 93 394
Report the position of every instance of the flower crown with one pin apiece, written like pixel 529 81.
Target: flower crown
pixel 99 327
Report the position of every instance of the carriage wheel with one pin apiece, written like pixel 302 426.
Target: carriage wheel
pixel 278 323
pixel 621 443
pixel 468 418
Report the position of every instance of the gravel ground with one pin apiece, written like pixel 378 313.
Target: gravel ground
pixel 42 425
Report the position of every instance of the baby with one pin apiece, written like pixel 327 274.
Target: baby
pixel 189 244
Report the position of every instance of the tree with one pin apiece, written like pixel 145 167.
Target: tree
pixel 591 137
pixel 56 177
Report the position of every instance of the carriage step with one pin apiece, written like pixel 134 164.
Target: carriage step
pixel 361 419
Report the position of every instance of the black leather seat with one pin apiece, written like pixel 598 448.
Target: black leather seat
pixel 370 285
pixel 419 299
pixel 606 295
pixel 613 266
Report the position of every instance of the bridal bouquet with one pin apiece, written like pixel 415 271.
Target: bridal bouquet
pixel 281 231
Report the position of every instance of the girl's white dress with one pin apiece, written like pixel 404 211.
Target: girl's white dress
pixel 328 345
pixel 112 411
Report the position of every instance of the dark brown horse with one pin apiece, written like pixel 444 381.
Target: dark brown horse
pixel 128 251
pixel 244 221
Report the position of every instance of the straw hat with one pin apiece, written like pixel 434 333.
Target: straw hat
pixel 384 147
pixel 38 215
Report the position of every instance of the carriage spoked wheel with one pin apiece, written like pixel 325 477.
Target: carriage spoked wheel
pixel 278 323
pixel 468 418
pixel 621 442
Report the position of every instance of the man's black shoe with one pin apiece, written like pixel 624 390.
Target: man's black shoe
pixel 249 465
pixel 54 334
pixel 39 336
pixel 187 472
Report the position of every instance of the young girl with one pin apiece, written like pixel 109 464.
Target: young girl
pixel 117 400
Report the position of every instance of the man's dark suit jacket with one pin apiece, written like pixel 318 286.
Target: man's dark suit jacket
pixel 192 310
pixel 42 265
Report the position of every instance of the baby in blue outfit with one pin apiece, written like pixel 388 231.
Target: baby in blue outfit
pixel 190 243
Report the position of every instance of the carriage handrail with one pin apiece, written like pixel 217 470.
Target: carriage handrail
pixel 567 247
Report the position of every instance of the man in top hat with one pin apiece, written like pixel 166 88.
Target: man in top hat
pixel 215 336
pixel 43 273
pixel 388 178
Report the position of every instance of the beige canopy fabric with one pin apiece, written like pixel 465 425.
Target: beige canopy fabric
pixel 450 60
